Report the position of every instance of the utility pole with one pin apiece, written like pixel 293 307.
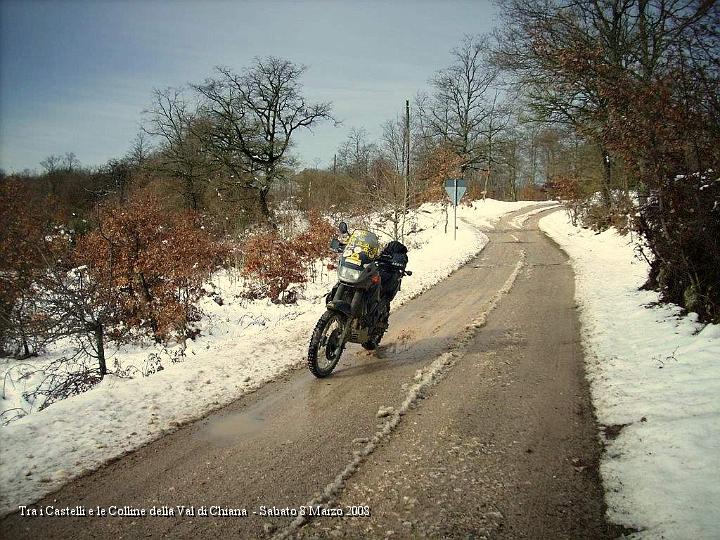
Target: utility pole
pixel 407 155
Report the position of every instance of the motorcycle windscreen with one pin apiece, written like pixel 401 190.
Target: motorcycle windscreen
pixel 362 247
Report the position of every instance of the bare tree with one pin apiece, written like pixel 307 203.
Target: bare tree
pixel 252 117
pixel 458 111
pixel 385 189
pixel 53 166
pixel 119 173
pixel 394 148
pixel 140 150
pixel 563 52
pixel 70 161
pixel 356 153
pixel 496 123
pixel 393 143
pixel 78 306
pixel 51 163
pixel 173 120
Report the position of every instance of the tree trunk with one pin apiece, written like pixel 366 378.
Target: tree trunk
pixel 396 222
pixel 533 160
pixel 26 348
pixel 100 347
pixel 513 186
pixel 264 208
pixel 607 178
pixel 147 296
pixel 190 195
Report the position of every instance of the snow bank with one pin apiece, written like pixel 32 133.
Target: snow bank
pixel 657 372
pixel 243 345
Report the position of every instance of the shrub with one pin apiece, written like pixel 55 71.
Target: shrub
pixel 531 192
pixel 681 227
pixel 568 190
pixel 150 264
pixel 272 263
pixel 24 230
pixel 441 163
pixel 313 243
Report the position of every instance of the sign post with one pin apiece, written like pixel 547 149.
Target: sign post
pixel 455 188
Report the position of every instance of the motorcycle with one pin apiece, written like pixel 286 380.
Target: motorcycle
pixel 358 306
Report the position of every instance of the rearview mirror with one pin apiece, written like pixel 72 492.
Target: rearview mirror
pixel 343 227
pixel 335 244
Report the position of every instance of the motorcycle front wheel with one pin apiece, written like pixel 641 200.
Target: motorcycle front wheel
pixel 325 347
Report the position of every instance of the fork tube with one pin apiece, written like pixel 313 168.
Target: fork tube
pixel 356 303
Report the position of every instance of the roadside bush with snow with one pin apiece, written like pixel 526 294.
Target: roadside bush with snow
pixel 655 376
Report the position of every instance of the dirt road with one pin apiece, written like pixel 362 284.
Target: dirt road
pixel 473 420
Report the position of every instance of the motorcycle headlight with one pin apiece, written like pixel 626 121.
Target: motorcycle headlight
pixel 348 274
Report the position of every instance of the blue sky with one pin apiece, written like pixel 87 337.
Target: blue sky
pixel 75 76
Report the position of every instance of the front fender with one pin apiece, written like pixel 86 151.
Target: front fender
pixel 340 307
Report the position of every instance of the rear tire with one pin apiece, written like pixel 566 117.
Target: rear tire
pixel 322 353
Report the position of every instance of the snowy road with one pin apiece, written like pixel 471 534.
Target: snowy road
pixel 490 432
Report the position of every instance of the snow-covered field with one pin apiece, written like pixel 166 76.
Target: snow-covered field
pixel 243 345
pixel 657 373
